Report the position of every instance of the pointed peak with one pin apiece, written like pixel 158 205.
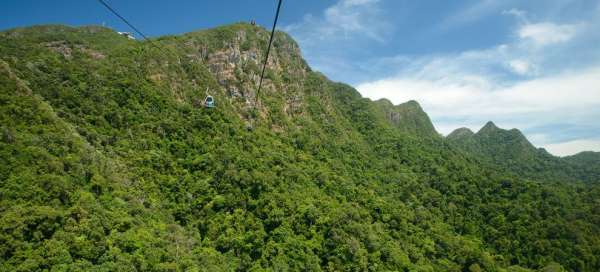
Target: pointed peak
pixel 488 127
pixel 490 124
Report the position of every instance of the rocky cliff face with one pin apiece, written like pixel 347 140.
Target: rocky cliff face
pixel 408 117
pixel 235 56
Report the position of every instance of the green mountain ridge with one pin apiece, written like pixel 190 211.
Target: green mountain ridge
pixel 587 156
pixel 109 162
pixel 510 151
pixel 408 117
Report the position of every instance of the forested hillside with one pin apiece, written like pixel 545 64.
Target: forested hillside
pixel 109 162
pixel 509 151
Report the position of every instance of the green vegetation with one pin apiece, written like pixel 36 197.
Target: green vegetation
pixel 109 163
pixel 510 152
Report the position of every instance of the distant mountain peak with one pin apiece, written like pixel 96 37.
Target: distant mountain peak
pixel 488 127
pixel 490 130
pixel 408 116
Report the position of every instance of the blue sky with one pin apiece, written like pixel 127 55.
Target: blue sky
pixel 533 65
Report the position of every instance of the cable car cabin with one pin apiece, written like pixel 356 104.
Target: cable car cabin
pixel 209 102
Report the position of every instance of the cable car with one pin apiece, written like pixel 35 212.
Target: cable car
pixel 209 102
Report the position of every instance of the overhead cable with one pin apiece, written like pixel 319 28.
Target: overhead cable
pixel 262 74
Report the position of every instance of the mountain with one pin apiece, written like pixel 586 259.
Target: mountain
pixel 408 117
pixel 497 145
pixel 110 162
pixel 510 151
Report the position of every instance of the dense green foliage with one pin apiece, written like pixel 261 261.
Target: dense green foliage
pixel 108 163
pixel 509 151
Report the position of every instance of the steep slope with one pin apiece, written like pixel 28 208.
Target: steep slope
pixel 510 151
pixel 60 196
pixel 123 169
pixel 408 117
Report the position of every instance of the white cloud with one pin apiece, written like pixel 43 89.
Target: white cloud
pixel 462 96
pixel 573 147
pixel 521 67
pixel 347 19
pixel 547 33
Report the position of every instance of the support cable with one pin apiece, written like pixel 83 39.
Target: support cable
pixel 131 25
pixel 262 74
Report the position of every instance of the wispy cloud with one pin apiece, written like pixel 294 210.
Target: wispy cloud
pixel 473 13
pixel 518 13
pixel 330 40
pixel 548 33
pixel 522 67
pixel 347 19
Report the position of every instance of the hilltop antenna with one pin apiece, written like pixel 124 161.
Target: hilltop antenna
pixel 133 27
pixel 262 74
